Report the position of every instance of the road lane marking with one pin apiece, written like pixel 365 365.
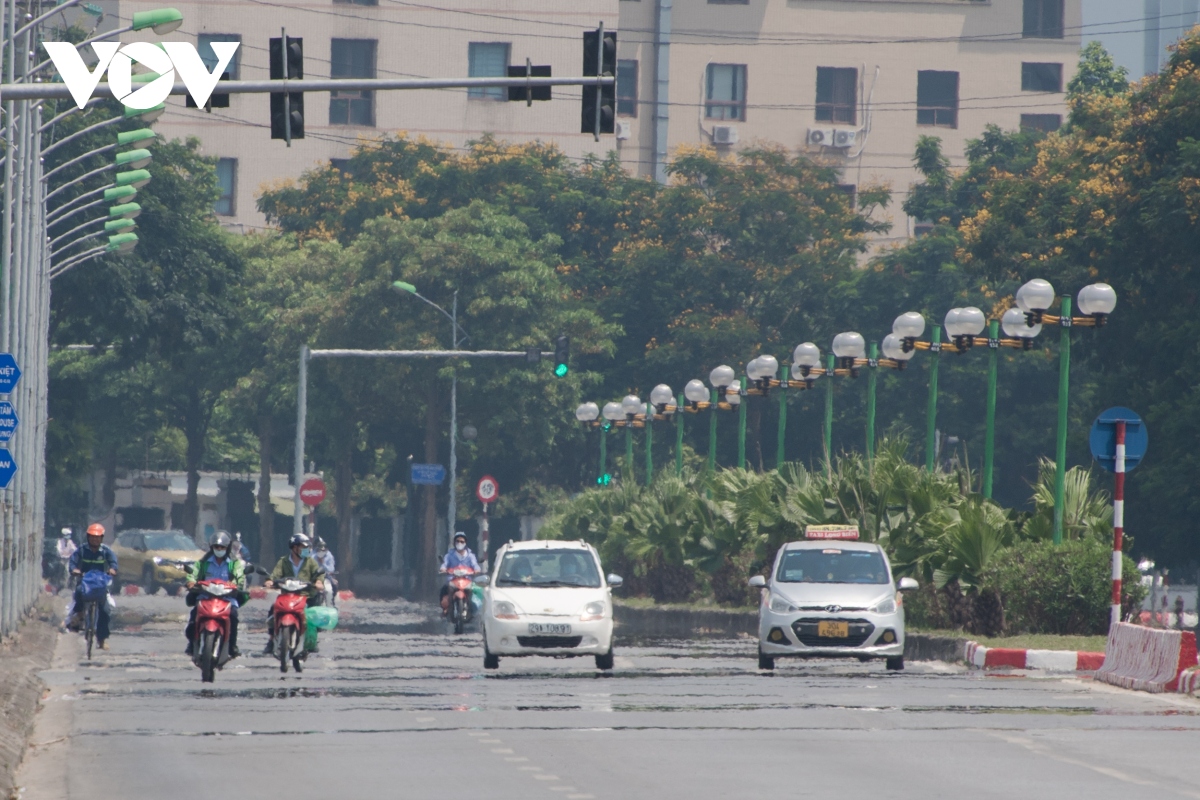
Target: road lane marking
pixel 474 733
pixel 530 769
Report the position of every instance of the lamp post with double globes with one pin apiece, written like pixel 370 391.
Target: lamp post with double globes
pixel 1096 301
pixel 662 406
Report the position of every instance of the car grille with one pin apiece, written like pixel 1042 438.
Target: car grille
pixel 549 641
pixel 806 632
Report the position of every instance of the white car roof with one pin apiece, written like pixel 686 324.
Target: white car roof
pixel 831 544
pixel 548 544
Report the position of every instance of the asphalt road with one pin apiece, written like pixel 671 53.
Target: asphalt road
pixel 395 708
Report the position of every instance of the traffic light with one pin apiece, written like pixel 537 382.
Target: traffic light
pixel 562 353
pixel 605 479
pixel 533 92
pixel 599 58
pixel 287 108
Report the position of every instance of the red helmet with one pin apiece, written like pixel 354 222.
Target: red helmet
pixel 95 529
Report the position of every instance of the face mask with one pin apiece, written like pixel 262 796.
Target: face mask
pixel 219 552
pixel 306 552
pixel 460 546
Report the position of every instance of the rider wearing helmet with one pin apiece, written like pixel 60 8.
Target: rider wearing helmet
pixel 325 560
pixel 95 555
pixel 298 564
pixel 218 564
pixel 459 555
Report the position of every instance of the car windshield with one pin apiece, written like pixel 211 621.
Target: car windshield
pixel 169 540
pixel 548 568
pixel 832 565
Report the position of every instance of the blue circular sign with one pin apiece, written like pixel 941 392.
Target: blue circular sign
pixel 1103 438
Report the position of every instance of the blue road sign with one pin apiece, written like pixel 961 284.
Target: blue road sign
pixel 428 474
pixel 8 421
pixel 8 468
pixel 10 373
pixel 1103 438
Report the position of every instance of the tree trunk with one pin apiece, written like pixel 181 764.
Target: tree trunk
pixel 426 563
pixel 194 429
pixel 343 509
pixel 266 512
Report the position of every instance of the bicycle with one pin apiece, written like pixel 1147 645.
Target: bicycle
pixel 91 607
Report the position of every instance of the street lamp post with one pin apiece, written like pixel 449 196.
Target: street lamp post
pixel 660 406
pixel 721 378
pixel 631 406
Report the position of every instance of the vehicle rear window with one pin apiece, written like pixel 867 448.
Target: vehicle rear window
pixel 548 568
pixel 169 540
pixel 832 565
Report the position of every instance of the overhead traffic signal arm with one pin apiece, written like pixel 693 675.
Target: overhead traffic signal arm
pixel 599 111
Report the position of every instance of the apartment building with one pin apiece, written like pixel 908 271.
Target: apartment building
pixel 383 39
pixel 853 82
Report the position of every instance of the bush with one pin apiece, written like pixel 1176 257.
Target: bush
pixel 1063 589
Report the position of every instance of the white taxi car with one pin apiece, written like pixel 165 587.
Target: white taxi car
pixel 831 596
pixel 548 598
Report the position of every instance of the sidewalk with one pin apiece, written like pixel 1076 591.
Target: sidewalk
pixel 21 658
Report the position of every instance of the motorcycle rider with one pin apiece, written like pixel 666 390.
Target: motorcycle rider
pixel 459 555
pixel 218 564
pixel 298 564
pixel 325 560
pixel 65 548
pixel 95 555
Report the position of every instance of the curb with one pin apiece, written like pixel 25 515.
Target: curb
pixel 980 657
pixel 1189 681
pixel 1148 659
pixel 21 658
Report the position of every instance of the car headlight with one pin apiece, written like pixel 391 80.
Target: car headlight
pixel 156 560
pixel 884 606
pixel 592 611
pixel 781 606
pixel 503 609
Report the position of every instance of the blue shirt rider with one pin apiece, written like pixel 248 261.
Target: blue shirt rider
pixel 459 555
pixel 95 555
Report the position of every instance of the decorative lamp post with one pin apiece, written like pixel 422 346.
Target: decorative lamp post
pixel 721 378
pixel 1096 301
pixel 760 378
pixel 661 406
pixel 631 406
pixel 589 414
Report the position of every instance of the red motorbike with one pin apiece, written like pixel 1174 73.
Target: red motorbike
pixel 461 585
pixel 213 609
pixel 290 623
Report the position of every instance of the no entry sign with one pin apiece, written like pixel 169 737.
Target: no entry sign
pixel 312 492
pixel 487 490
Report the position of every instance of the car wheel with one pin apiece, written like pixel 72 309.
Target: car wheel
pixel 490 661
pixel 765 661
pixel 895 663
pixel 148 582
pixel 605 661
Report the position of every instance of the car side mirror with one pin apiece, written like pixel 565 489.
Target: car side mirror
pixel 757 581
pixel 908 584
pixel 481 579
pixel 615 581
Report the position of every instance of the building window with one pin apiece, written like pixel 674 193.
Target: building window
pixel 726 93
pixel 937 98
pixel 352 58
pixel 837 95
pixel 487 60
pixel 342 165
pixel 627 88
pixel 204 48
pixel 1041 77
pixel 1047 123
pixel 922 227
pixel 227 183
pixel 1043 19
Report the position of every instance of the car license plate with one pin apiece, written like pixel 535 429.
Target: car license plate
pixel 833 630
pixel 544 628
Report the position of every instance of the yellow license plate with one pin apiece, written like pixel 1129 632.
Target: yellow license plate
pixel 833 630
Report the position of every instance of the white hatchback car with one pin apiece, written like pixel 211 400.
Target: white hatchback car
pixel 831 598
pixel 548 598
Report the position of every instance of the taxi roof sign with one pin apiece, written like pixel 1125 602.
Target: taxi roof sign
pixel 831 532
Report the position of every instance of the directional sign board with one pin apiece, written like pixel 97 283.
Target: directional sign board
pixel 10 373
pixel 8 421
pixel 487 490
pixel 1103 438
pixel 428 474
pixel 312 491
pixel 8 468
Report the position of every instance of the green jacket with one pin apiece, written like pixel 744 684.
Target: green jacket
pixel 310 572
pixel 237 571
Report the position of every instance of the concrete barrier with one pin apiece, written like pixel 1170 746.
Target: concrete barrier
pixel 981 657
pixel 1189 681
pixel 1147 659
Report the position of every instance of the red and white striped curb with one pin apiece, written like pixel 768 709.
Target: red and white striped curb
pixel 1148 659
pixel 977 655
pixel 1189 681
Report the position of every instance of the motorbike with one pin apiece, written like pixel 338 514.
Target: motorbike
pixel 213 609
pixel 291 625
pixel 462 609
pixel 331 589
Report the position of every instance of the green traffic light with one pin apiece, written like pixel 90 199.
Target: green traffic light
pixel 561 370
pixel 605 479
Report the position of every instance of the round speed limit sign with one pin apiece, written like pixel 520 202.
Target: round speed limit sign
pixel 487 490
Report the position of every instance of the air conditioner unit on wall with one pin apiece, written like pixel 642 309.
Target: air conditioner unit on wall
pixel 846 137
pixel 724 134
pixel 623 129
pixel 820 137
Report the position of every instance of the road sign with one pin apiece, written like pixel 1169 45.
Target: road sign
pixel 8 468
pixel 1103 438
pixel 428 474
pixel 10 373
pixel 312 491
pixel 8 421
pixel 487 490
